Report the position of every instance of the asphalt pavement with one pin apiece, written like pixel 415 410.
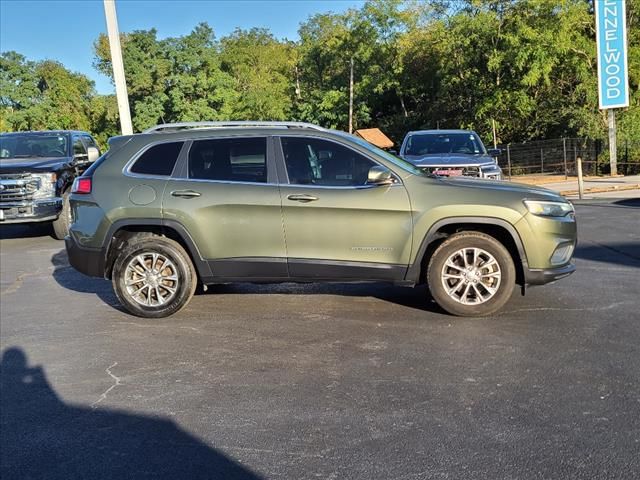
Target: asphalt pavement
pixel 323 381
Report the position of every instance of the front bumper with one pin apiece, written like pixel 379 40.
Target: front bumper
pixel 90 261
pixel 547 275
pixel 43 210
pixel 490 172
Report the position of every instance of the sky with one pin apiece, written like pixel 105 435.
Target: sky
pixel 65 30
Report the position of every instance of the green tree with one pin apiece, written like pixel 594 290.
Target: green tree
pixel 42 95
pixel 262 69
pixel 197 89
pixel 528 65
pixel 171 80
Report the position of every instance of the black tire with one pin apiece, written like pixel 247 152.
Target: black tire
pixel 61 224
pixel 490 246
pixel 145 244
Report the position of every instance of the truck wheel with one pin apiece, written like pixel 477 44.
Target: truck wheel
pixel 153 276
pixel 61 224
pixel 471 274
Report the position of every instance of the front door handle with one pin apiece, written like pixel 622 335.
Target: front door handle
pixel 302 198
pixel 185 193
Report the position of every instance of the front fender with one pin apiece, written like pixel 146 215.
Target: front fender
pixel 431 231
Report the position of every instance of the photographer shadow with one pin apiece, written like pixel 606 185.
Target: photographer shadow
pixel 43 437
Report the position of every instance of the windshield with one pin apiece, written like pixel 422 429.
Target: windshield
pixel 28 146
pixel 397 161
pixel 438 143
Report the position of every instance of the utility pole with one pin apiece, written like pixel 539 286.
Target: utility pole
pixel 613 144
pixel 118 67
pixel 495 138
pixel 351 97
pixel 297 82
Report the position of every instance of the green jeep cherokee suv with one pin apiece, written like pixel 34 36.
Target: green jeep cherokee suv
pixel 292 202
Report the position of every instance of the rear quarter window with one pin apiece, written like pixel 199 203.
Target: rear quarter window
pixel 158 160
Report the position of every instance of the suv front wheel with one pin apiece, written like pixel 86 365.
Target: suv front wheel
pixel 471 274
pixel 153 276
pixel 61 224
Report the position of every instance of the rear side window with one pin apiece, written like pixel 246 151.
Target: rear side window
pixel 229 159
pixel 158 160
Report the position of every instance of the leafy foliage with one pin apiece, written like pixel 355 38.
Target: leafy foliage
pixel 39 95
pixel 527 65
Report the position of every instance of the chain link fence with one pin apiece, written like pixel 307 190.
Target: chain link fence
pixel 558 157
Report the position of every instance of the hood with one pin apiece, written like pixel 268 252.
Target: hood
pixel 526 191
pixel 33 164
pixel 449 160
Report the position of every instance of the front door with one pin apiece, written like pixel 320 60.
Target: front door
pixel 227 197
pixel 336 225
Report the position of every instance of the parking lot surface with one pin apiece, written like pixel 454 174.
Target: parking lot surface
pixel 324 381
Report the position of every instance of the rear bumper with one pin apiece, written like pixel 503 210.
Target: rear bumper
pixel 89 261
pixel 548 275
pixel 31 211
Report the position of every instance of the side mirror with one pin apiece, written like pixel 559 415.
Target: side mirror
pixel 92 154
pixel 494 152
pixel 379 175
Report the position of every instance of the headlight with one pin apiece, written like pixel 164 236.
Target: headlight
pixel 47 187
pixel 549 209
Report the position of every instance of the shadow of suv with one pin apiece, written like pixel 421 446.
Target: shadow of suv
pixel 280 202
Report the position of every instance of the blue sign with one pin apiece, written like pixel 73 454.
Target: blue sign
pixel 611 37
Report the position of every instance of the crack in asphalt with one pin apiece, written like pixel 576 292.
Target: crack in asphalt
pixel 17 283
pixel 116 383
pixel 158 326
pixel 562 309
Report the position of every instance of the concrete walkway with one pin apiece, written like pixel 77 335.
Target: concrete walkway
pixel 594 187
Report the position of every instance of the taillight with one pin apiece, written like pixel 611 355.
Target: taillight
pixel 81 185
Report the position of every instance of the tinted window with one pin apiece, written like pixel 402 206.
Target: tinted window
pixel 158 160
pixel 229 159
pixel 319 162
pixel 78 147
pixel 89 142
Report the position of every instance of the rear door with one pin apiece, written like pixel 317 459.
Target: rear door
pixel 336 225
pixel 226 196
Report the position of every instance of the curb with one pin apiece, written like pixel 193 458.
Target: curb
pixel 546 179
pixel 614 188
pixel 618 202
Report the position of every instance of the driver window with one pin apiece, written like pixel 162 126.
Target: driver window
pixel 312 161
pixel 78 147
pixel 89 142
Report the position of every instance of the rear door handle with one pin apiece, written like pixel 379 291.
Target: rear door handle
pixel 185 193
pixel 302 198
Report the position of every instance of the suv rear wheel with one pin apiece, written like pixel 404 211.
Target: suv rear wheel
pixel 471 274
pixel 153 276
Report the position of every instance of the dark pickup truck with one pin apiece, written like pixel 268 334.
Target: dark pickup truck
pixel 37 170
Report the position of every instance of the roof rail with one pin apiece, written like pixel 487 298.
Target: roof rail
pixel 244 124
